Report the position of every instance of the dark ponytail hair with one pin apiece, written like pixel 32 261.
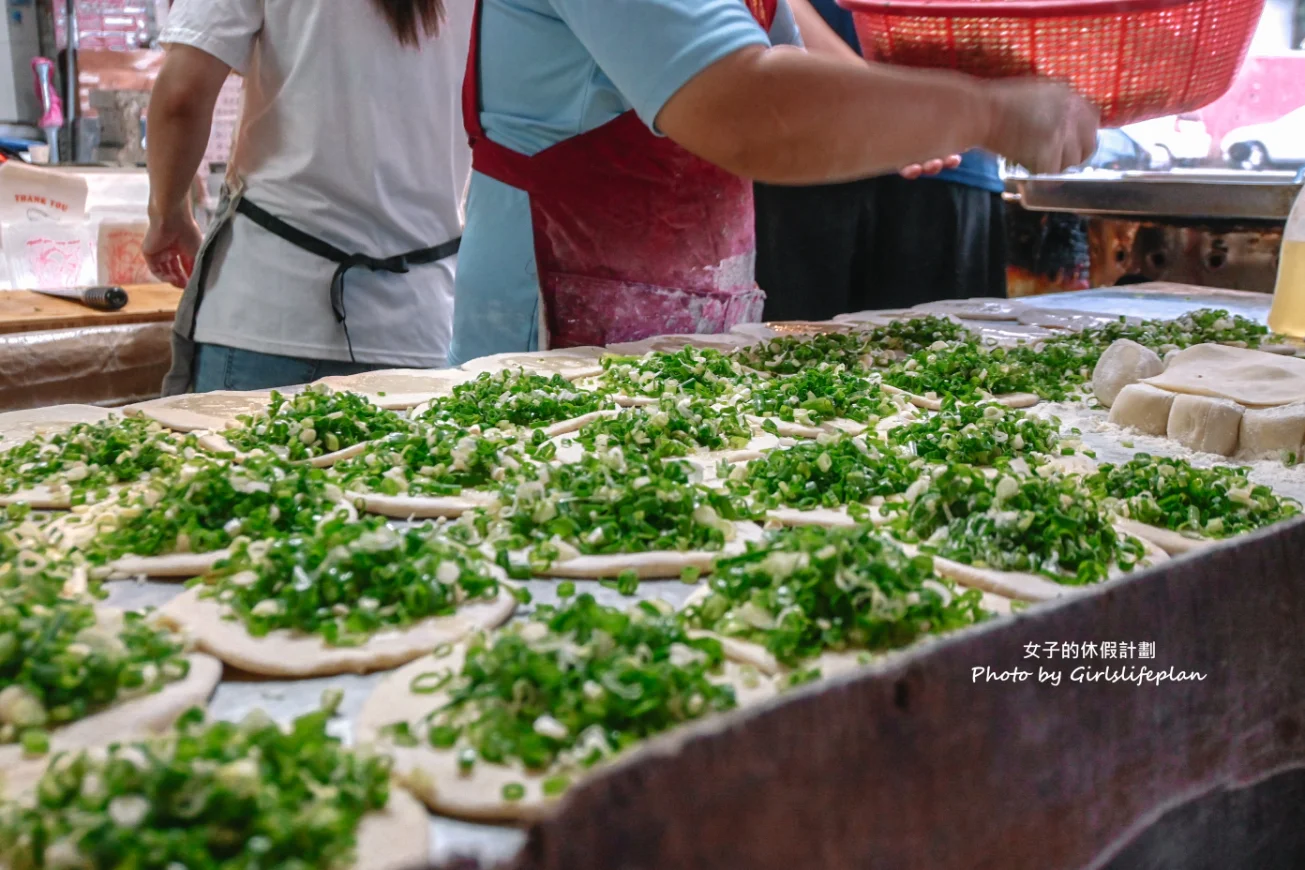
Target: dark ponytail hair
pixel 412 19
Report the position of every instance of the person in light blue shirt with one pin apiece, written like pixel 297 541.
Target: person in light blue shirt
pixel 599 80
pixel 570 90
pixel 885 242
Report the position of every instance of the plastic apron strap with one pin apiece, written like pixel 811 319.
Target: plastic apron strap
pixel 181 377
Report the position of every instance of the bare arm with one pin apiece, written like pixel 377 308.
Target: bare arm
pixel 180 120
pixel 788 117
pixel 819 38
pixel 817 35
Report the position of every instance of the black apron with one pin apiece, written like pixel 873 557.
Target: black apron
pixel 180 377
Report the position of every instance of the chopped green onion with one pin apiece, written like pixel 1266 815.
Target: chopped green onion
pixel 213 502
pixel 556 785
pixel 331 700
pixel 89 458
pixel 830 473
pixel 202 796
pixel 1046 524
pixel 819 393
pixel 443 736
pixel 810 590
pixel 515 398
pixel 690 371
pixel 790 355
pixel 437 460
pixel 981 434
pixel 577 684
pixel 1173 494
pixel 35 741
pixel 350 579
pixel 676 426
pixel 313 423
pixel 400 734
pixel 609 503
pixel 62 660
pixel 429 683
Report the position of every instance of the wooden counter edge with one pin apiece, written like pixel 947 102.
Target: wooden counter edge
pixel 24 311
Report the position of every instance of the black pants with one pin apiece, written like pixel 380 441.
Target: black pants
pixel 879 243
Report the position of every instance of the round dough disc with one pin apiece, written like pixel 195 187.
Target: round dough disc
pixel 672 343
pixel 396 838
pixel 19 426
pixel 878 318
pixel 1055 318
pixel 433 774
pixel 285 653
pixel 571 363
pixel 791 329
pixel 137 717
pixel 198 412
pixel 399 389
pixel 1247 377
pixel 974 309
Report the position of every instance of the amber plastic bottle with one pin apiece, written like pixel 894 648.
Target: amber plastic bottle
pixel 1287 317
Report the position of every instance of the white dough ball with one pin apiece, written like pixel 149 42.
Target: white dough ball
pixel 1206 424
pixel 1124 362
pixel 1267 432
pixel 1144 408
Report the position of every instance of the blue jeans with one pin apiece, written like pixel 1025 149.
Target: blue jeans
pixel 218 367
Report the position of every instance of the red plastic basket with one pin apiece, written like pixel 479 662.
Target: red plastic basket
pixel 1136 59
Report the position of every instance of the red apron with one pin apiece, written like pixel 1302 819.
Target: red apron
pixel 634 236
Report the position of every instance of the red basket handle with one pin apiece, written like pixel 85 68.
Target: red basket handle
pixel 1009 8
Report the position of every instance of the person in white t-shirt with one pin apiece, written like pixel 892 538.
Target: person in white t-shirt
pixel 335 247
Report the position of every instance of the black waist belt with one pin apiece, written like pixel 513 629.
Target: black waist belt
pixel 344 261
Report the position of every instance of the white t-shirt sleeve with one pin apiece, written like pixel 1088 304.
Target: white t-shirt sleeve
pixel 225 29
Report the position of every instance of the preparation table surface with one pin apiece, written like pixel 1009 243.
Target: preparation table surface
pixel 25 311
pixel 283 699
pixel 1158 299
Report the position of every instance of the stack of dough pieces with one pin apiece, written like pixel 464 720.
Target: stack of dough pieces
pixel 1209 398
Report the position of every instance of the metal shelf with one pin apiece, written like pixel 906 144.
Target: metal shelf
pixel 1196 194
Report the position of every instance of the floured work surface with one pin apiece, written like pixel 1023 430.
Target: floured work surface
pixel 937 673
pixel 1158 299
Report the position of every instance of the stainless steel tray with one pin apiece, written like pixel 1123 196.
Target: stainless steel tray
pixel 1198 194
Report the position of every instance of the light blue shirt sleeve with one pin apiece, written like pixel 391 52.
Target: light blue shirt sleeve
pixel 552 69
pixel 652 48
pixel 784 29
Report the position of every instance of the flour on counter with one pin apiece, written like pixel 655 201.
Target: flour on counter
pixel 1107 440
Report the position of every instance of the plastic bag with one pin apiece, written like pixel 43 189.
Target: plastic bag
pixel 49 255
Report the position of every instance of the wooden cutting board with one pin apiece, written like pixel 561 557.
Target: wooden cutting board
pixel 24 311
